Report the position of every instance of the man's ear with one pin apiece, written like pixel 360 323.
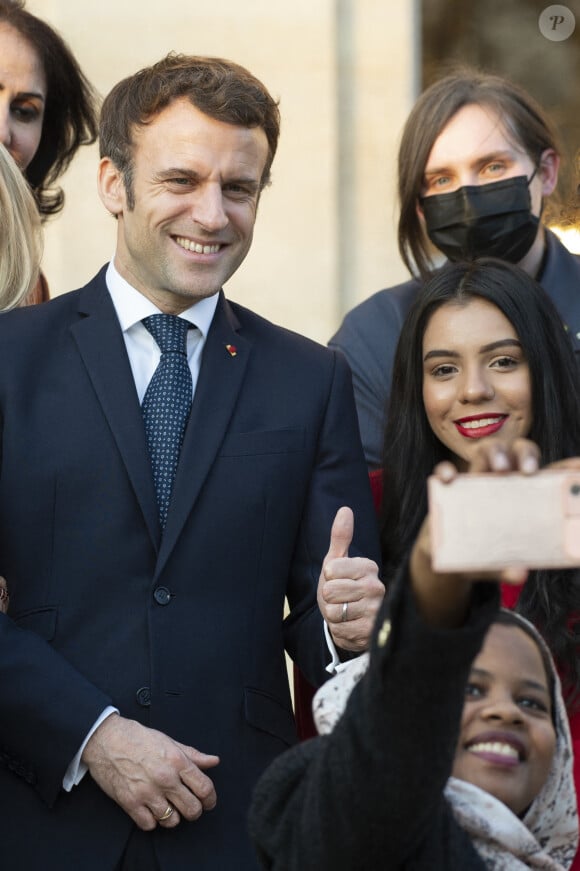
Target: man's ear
pixel 548 171
pixel 111 187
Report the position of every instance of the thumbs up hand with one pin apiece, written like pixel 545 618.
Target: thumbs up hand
pixel 349 589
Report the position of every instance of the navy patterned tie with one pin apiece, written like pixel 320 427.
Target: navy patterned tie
pixel 167 403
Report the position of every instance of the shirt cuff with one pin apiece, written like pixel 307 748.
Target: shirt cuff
pixel 77 769
pixel 336 664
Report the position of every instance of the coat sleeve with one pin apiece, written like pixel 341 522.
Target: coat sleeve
pixel 46 709
pixel 370 794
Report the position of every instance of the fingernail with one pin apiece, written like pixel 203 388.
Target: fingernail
pixel 529 465
pixel 500 461
pixel 515 576
pixel 446 474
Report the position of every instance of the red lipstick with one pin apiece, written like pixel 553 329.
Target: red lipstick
pixel 477 426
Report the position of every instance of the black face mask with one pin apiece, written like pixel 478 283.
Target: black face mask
pixel 488 220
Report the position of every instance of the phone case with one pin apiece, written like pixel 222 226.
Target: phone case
pixel 490 522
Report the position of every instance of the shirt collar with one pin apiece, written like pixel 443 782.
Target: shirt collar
pixel 131 306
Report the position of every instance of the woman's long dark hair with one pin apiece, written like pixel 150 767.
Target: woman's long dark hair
pixel 550 599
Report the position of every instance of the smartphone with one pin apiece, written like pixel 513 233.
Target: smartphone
pixel 496 521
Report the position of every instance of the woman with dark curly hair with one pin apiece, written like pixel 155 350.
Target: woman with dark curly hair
pixel 47 107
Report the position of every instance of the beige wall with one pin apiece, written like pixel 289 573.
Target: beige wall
pixel 344 73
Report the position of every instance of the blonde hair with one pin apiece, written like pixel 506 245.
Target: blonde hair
pixel 20 235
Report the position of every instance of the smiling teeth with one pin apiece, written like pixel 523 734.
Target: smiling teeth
pixel 476 424
pixel 496 748
pixel 189 245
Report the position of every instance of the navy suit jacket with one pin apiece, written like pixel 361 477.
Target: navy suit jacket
pixel 185 632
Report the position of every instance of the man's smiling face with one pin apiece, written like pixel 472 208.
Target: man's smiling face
pixel 195 191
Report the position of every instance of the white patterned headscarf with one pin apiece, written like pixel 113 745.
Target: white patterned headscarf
pixel 545 838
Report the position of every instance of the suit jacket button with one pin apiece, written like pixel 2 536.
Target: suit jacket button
pixel 162 596
pixel 144 696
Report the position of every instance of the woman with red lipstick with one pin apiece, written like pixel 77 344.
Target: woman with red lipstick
pixel 482 356
pixel 432 756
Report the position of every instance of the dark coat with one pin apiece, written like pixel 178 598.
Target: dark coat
pixel 369 797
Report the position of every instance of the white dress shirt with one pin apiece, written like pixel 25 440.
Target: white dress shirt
pixel 144 354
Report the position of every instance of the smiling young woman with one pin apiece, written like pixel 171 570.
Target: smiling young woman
pixel 476 379
pixel 507 738
pixel 482 342
pixel 482 355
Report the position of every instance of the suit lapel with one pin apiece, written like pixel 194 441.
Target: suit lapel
pixel 100 343
pixel 224 361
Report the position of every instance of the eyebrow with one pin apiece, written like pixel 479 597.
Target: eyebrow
pixel 531 684
pixel 27 95
pixel 247 181
pixel 34 94
pixel 480 161
pixel 492 346
pixel 177 170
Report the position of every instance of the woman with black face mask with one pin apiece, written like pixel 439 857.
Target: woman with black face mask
pixel 479 220
pixel 477 160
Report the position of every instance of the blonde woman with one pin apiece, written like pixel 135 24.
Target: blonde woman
pixel 20 235
pixel 20 251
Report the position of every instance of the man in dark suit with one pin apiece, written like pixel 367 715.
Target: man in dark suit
pixel 145 631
